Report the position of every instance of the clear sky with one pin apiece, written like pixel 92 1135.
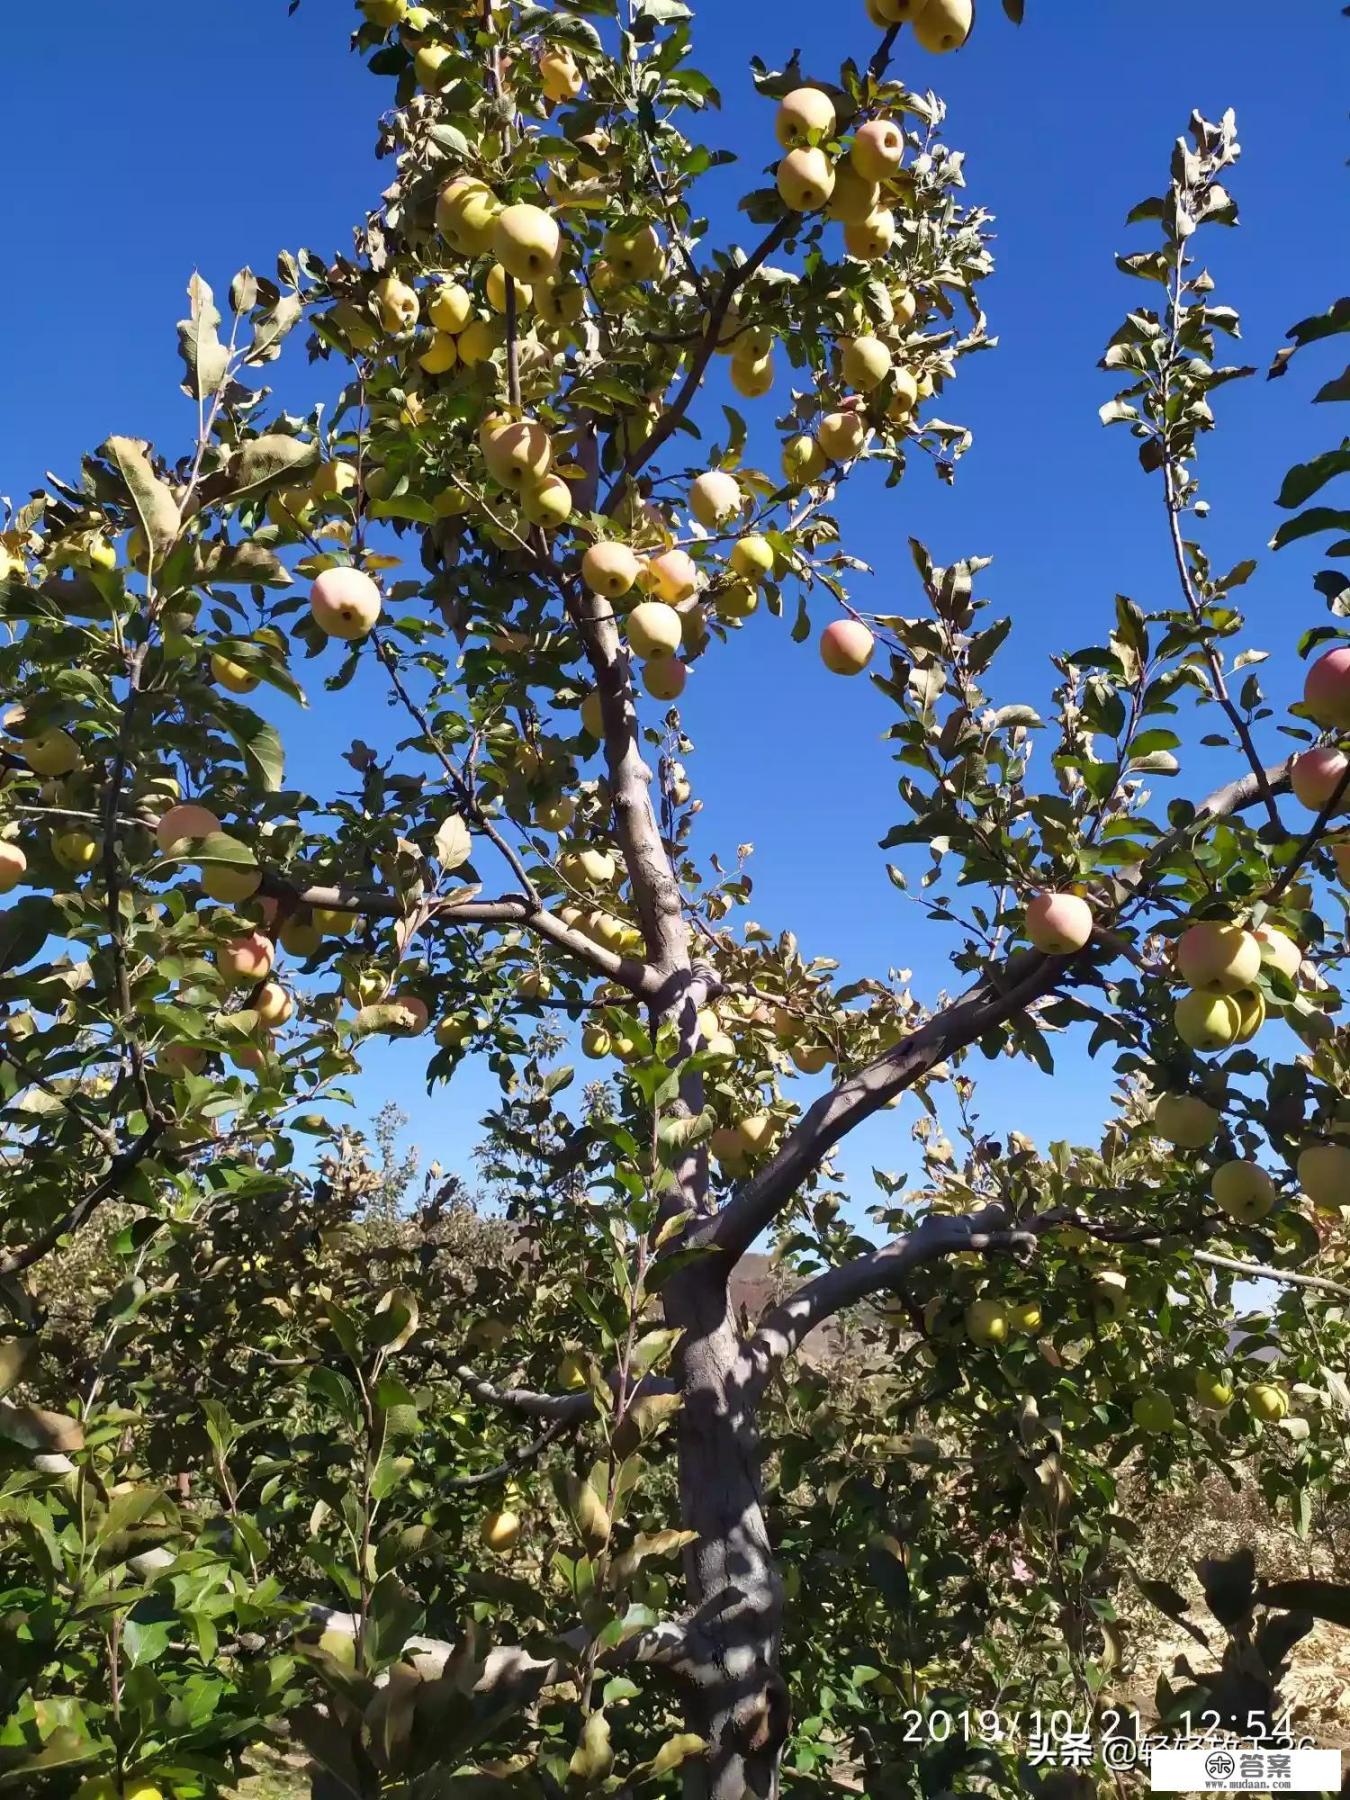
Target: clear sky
pixel 141 142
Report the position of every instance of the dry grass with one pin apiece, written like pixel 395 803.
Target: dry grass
pixel 1218 1522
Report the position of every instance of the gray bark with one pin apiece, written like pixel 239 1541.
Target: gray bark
pixel 736 1697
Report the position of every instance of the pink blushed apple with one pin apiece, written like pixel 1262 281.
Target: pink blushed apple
pixel 185 821
pixel 846 647
pixel 1326 693
pixel 345 603
pixel 1059 924
pixel 1316 775
pixel 245 959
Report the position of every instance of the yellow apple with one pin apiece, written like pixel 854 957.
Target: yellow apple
pixel 1218 958
pixel 273 1005
pixel 75 850
pixel 583 866
pixel 1251 1005
pixel 1025 1315
pixel 1324 1175
pixel 806 116
pixel 854 198
pixel 1267 1402
pixel 869 239
pixel 526 241
pixel 450 307
pixel 752 377
pixel 944 25
pixel 500 1531
pixel 1185 1121
pixel 906 396
pixel 715 498
pixel 1208 1021
pixel 1110 1296
pixel 547 502
pixel 559 76
pixel 495 289
pixel 13 862
pixel 300 936
pixel 478 340
pixel 878 149
pixel 52 752
pixel 737 601
pixel 865 363
pixel 440 355
pixel 987 1322
pixel 1279 950
pixel 466 214
pixel 454 1032
pixel 803 461
pixel 610 570
pixel 561 301
pixel 805 180
pixel 233 676
pixel 1153 1412
pixel 752 558
pixel 654 629
pixel 842 435
pixel 634 252
pixel 518 452
pixel 332 479
pixel 1214 1392
pixel 592 715
pixel 555 814
pixel 1244 1191
pixel 229 883
pixel 396 305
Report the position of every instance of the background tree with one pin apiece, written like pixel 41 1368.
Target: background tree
pixel 295 1396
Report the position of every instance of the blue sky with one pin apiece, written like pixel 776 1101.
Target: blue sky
pixel 154 139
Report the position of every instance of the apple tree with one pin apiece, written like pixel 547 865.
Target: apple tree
pixel 541 1505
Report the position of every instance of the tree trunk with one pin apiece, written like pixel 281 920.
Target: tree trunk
pixel 738 1701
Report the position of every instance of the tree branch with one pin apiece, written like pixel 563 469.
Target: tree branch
pixel 1262 1272
pixel 509 1464
pixel 783 1328
pixel 118 1170
pixel 669 421
pixel 1026 977
pixel 567 1409
pixel 512 909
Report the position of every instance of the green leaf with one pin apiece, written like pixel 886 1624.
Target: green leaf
pixel 36 1429
pixel 1308 524
pixel 1304 479
pixel 152 498
pixel 24 929
pixel 394 1617
pixel 205 358
pixel 15 1356
pixel 1327 1600
pixel 263 462
pixel 259 743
